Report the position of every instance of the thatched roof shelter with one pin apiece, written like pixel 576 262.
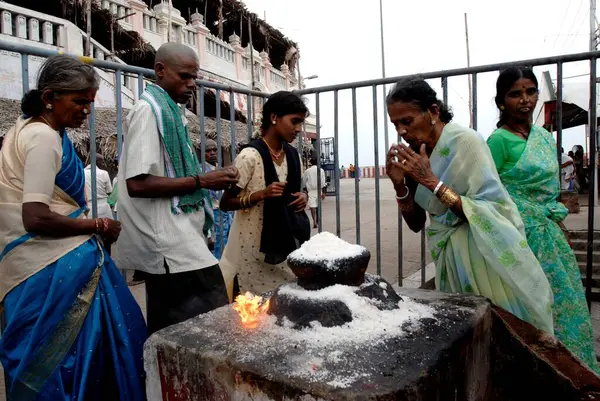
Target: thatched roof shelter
pixel 235 21
pixel 106 131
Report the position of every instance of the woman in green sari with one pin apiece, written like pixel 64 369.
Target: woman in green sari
pixel 526 159
pixel 476 236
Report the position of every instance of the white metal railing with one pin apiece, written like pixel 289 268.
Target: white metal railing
pixel 259 69
pixel 220 48
pixel 32 26
pixel 277 78
pixel 190 36
pixel 117 9
pixel 150 22
pixel 100 52
pixel 19 23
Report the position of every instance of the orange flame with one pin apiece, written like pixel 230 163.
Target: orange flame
pixel 251 308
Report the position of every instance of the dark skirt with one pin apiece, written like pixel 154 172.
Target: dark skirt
pixel 175 297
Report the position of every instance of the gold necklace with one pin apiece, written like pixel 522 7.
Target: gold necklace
pixel 47 122
pixel 274 155
pixel 522 132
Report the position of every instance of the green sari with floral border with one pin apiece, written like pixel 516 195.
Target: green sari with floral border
pixel 486 254
pixel 533 185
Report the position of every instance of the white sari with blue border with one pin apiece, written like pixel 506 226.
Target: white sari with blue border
pixel 72 329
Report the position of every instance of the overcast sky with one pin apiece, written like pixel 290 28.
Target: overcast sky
pixel 340 41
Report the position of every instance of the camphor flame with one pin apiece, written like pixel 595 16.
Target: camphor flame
pixel 251 309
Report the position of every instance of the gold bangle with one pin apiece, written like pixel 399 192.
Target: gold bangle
pixel 448 197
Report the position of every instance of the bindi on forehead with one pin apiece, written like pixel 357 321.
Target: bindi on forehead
pixel 524 83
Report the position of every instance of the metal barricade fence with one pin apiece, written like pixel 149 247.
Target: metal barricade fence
pixel 336 90
pixel 443 76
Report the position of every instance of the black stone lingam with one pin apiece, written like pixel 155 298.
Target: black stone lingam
pixel 317 273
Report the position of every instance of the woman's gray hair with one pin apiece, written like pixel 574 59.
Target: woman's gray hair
pixel 59 74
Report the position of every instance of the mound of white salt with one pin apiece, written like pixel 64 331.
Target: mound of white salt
pixel 316 354
pixel 369 324
pixel 326 247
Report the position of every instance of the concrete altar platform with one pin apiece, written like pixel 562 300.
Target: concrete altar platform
pixel 465 350
pixel 213 357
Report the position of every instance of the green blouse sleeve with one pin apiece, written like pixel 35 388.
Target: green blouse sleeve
pixel 497 147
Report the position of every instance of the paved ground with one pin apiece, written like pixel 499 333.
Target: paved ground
pixel 389 236
pixel 368 226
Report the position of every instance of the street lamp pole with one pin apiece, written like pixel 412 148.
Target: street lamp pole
pixel 385 125
pixel 88 37
pixel 112 33
pixel 303 85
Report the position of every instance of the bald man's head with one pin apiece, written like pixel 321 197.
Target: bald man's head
pixel 176 68
pixel 171 53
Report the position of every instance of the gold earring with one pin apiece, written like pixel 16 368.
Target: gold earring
pixel 49 106
pixel 274 122
pixel 501 107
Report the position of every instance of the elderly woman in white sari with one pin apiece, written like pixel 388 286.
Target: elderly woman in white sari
pixel 476 235
pixel 73 329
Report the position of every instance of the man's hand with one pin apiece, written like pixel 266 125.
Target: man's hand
pixel 300 202
pixel 223 178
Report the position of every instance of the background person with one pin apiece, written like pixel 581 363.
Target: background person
pixel 525 156
pixel 311 184
pixel 103 188
pixel 223 220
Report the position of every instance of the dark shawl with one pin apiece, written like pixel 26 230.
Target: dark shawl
pixel 284 229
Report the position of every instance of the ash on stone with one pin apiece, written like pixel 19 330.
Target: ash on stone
pixel 380 290
pixel 326 260
pixel 331 281
pixel 330 306
pixel 302 312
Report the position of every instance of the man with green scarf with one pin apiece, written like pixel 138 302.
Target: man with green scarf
pixel 164 204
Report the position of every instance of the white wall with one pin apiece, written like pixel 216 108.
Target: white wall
pixel 11 83
pixel 218 65
pixel 155 39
